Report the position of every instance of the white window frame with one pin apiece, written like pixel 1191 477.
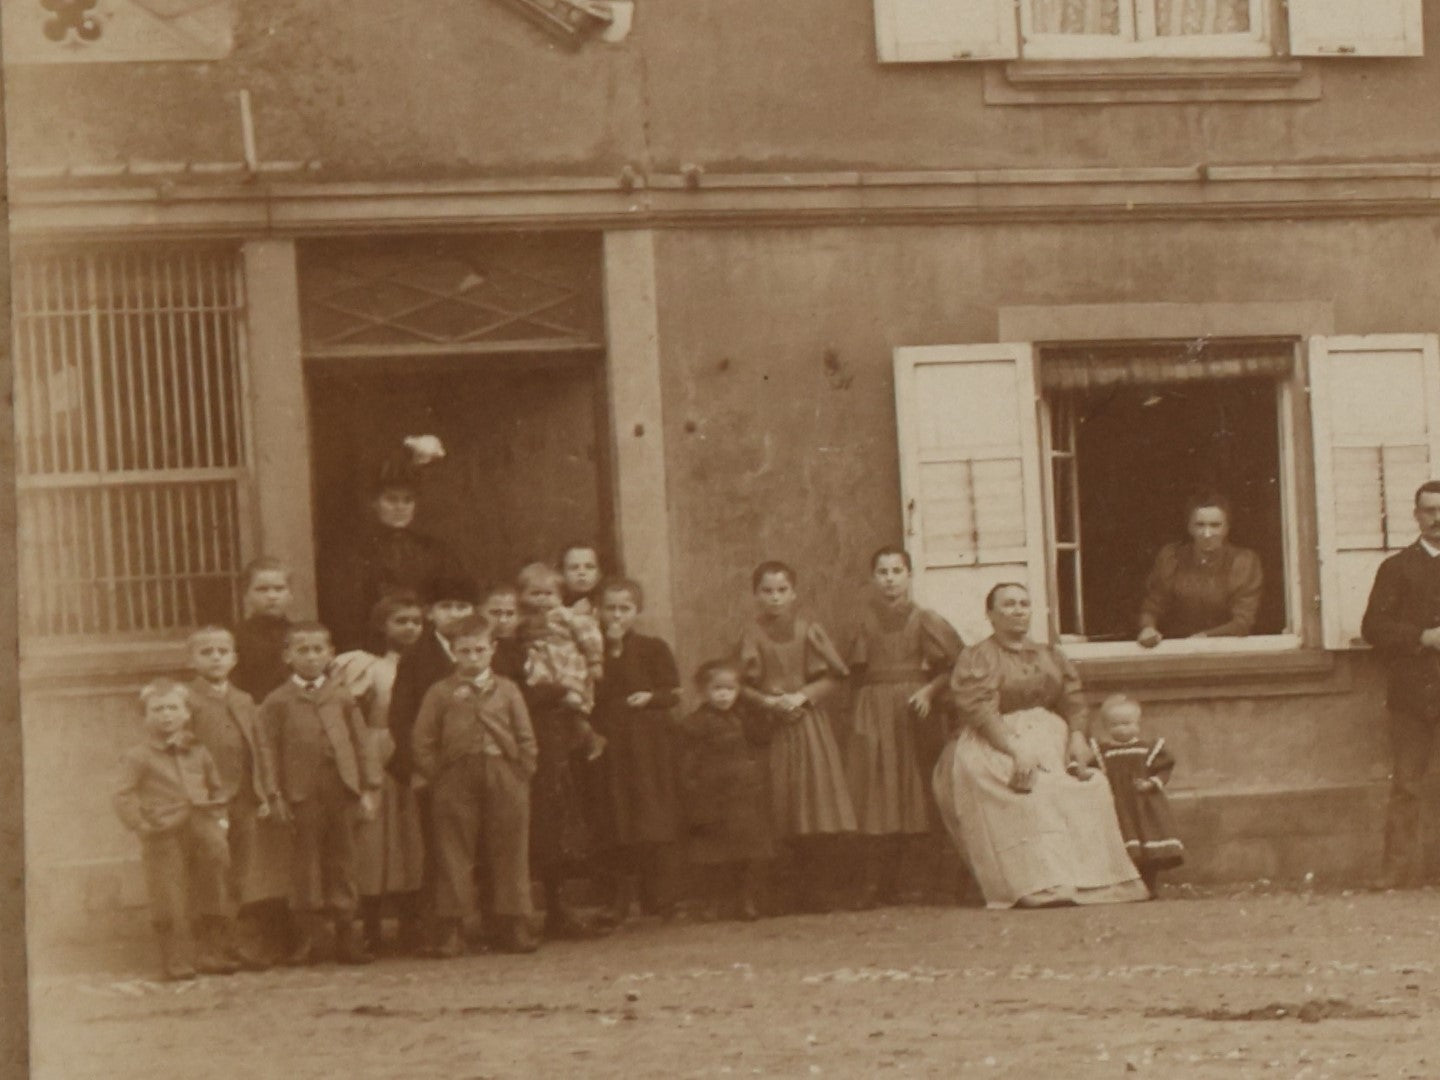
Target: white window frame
pixel 1138 38
pixel 1292 638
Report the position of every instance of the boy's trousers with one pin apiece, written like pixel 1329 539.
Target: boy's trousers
pixel 185 871
pixel 482 798
pixel 324 854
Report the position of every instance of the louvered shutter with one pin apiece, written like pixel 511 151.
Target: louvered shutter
pixel 1375 406
pixel 920 31
pixel 970 477
pixel 1356 27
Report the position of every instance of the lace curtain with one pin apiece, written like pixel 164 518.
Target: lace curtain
pixel 1172 17
pixel 1076 16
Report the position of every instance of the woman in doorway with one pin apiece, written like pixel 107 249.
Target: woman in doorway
pixel 1016 786
pixel 1201 587
pixel 390 555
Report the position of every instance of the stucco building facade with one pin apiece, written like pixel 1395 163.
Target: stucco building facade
pixel 730 280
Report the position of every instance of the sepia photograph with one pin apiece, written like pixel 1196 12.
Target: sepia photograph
pixel 721 538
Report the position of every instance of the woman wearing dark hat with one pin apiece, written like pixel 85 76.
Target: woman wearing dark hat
pixel 389 555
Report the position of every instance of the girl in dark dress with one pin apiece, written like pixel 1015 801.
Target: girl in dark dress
pixel 636 817
pixel 389 555
pixel 901 657
pixel 1138 770
pixel 789 667
pixel 260 636
pixel 722 779
pixel 260 668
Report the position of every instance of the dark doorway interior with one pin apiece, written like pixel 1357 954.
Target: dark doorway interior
pixel 1141 452
pixel 524 471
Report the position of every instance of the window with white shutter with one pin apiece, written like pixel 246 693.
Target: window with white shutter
pixel 939 30
pixel 1068 467
pixel 1375 405
pixel 931 30
pixel 970 477
pixel 1353 28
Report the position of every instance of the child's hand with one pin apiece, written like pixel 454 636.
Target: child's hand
pixel 1079 770
pixel 920 701
pixel 369 805
pixel 791 703
pixel 262 812
pixel 1142 785
pixel 595 745
pixel 640 699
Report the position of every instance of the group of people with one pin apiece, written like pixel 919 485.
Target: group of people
pixel 482 743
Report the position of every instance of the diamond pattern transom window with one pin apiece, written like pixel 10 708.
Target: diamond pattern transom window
pixel 517 292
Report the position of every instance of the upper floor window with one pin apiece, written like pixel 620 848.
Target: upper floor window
pixel 938 30
pixel 1064 29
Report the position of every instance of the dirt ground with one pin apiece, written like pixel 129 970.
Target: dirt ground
pixel 1246 984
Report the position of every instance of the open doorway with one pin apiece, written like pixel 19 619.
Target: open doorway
pixel 525 470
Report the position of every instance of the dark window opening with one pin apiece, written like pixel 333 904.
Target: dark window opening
pixel 1134 435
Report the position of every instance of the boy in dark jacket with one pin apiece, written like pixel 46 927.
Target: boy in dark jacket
pixel 474 744
pixel 326 771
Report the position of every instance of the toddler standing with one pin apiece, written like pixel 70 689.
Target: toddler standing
pixel 172 797
pixel 1138 770
pixel 721 769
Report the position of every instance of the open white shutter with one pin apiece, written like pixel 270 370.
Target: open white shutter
pixel 1375 404
pixel 920 31
pixel 1356 28
pixel 970 478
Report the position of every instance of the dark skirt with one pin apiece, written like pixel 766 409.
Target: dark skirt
pixel 735 825
pixel 632 785
pixel 559 835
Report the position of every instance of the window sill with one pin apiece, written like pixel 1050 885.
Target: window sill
pixel 1155 675
pixel 99 664
pixel 1149 81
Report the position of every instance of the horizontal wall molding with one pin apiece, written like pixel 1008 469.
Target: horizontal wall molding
pixel 51 209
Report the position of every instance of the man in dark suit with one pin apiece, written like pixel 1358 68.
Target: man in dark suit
pixel 451 602
pixel 1402 621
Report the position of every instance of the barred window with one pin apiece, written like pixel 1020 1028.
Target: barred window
pixel 132 445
